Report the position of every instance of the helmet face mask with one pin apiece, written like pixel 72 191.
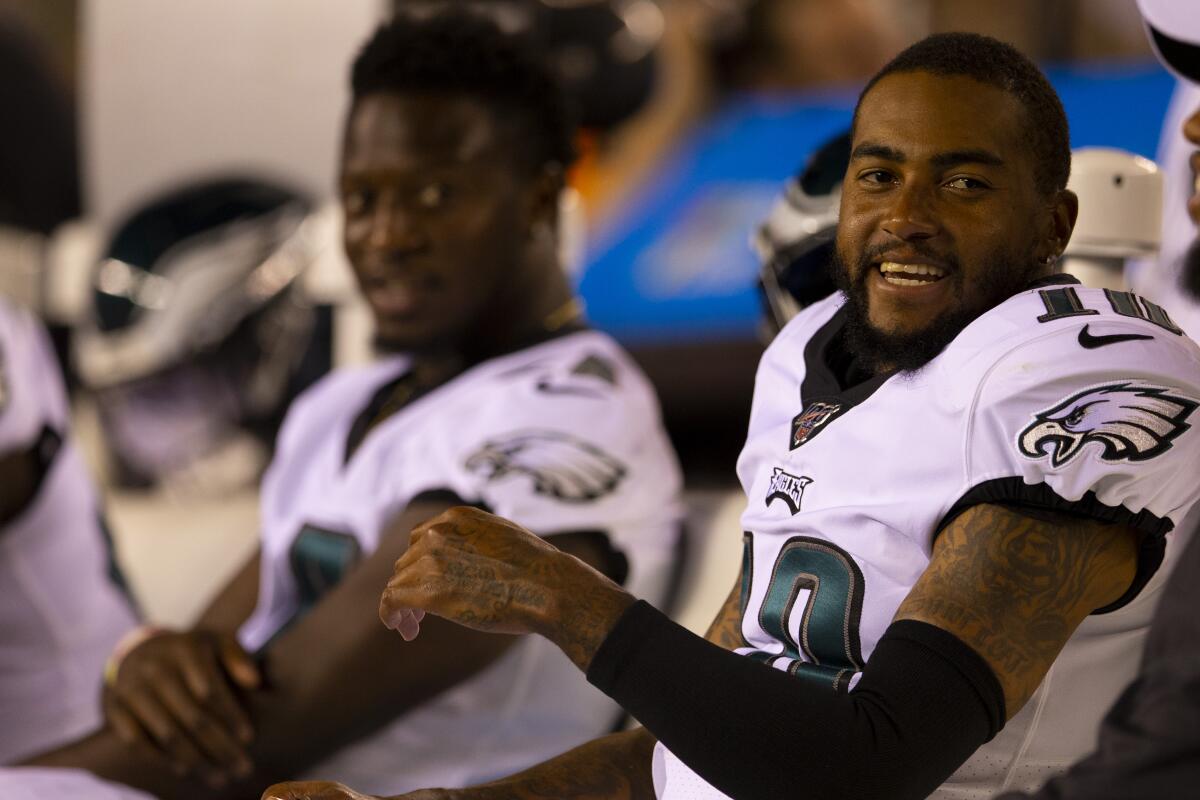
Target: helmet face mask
pixel 795 244
pixel 796 274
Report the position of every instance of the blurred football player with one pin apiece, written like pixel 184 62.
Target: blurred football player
pixel 64 606
pixel 37 783
pixel 494 393
pixel 960 472
pixel 1175 276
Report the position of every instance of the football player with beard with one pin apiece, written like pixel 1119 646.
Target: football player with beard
pixel 1149 743
pixel 492 391
pixel 960 473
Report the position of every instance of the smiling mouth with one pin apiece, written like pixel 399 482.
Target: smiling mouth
pixel 910 274
pixel 393 296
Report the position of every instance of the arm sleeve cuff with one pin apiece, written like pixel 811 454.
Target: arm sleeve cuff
pixel 924 703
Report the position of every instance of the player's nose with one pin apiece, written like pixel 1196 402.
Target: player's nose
pixel 910 216
pixel 395 228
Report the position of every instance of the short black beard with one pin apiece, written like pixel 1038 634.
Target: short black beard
pixel 908 353
pixel 1189 279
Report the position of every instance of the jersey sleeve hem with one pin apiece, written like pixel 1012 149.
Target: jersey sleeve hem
pixel 1013 491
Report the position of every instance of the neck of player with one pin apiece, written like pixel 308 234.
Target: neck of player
pixel 538 304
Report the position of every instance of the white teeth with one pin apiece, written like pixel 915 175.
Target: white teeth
pixel 911 269
pixel 904 281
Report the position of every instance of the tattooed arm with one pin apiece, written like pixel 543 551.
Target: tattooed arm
pixel 489 574
pixel 615 767
pixel 1015 583
pixel 726 627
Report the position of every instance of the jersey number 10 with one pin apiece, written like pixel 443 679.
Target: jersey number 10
pixel 826 649
pixel 1064 302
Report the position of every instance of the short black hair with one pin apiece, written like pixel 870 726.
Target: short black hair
pixel 998 64
pixel 460 52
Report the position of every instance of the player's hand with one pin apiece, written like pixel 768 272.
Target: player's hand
pixel 178 692
pixel 323 790
pixel 492 575
pixel 313 790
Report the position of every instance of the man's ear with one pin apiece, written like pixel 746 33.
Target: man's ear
pixel 543 198
pixel 1064 210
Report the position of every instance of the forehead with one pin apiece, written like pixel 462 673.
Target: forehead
pixel 414 129
pixel 920 113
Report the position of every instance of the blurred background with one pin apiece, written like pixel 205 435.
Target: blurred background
pixel 696 111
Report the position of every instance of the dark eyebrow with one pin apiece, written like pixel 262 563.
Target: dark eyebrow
pixel 873 150
pixel 951 158
pixel 954 158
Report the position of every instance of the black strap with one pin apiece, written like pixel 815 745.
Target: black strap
pixel 25 472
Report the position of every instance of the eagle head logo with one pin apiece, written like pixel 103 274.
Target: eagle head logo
pixel 1129 421
pixel 560 466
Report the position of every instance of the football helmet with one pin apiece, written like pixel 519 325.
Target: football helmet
pixel 1120 214
pixel 795 244
pixel 199 333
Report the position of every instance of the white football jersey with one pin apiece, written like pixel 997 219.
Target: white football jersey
pixel 562 436
pixel 38 783
pixel 1062 397
pixel 61 608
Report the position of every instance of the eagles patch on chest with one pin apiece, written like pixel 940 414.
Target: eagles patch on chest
pixel 1128 421
pixel 787 487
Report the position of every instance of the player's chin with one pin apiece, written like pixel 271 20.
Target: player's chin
pixel 906 313
pixel 408 334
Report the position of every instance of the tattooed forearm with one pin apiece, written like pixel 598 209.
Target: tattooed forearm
pixel 726 627
pixel 591 609
pixel 1014 587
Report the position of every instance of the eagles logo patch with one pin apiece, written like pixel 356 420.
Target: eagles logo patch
pixel 814 416
pixel 559 465
pixel 787 487
pixel 1128 421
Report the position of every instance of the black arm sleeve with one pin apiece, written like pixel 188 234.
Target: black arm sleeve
pixel 924 703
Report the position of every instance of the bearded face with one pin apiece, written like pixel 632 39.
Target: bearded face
pixel 910 350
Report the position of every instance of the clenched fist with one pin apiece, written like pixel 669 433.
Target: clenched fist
pixel 487 573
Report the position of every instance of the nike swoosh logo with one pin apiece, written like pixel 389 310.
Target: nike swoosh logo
pixel 1090 342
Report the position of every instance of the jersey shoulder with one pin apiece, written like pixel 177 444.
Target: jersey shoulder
pixel 31 386
pixel 1093 405
pixel 1071 332
pixel 575 416
pixel 582 381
